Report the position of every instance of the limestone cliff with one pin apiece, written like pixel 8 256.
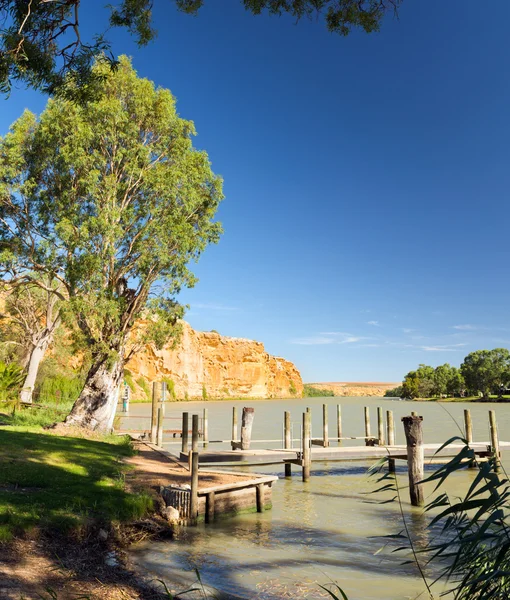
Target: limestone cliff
pixel 207 363
pixel 351 389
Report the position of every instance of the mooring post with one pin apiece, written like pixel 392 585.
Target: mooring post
pixel 163 396
pixel 414 414
pixel 154 413
pixel 339 424
pixel 234 425
pixel 494 441
pixel 184 432
pixel 468 427
pixel 415 457
pixel 194 433
pixel 306 454
pixel 287 443
pixel 260 497
pixel 194 488
pixel 390 423
pixel 246 426
pixel 325 428
pixel 368 442
pixel 380 426
pixel 205 426
pixel 210 501
pixel 159 436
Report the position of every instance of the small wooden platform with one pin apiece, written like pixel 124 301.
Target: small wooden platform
pixel 335 453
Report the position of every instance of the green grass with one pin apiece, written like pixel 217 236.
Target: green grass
pixel 57 482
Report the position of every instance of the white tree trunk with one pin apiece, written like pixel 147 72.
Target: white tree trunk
pixel 95 407
pixel 34 361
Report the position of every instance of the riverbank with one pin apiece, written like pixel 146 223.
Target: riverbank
pixel 67 515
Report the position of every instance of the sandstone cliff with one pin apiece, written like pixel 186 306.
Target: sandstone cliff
pixel 345 388
pixel 207 363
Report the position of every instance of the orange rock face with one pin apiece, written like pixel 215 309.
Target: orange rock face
pixel 207 363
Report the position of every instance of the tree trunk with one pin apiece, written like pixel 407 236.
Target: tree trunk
pixel 34 361
pixel 95 407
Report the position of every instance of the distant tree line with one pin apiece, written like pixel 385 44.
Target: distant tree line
pixel 483 372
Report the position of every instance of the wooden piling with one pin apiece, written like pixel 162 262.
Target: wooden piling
pixel 163 396
pixel 246 427
pixel 234 424
pixel 205 428
pixel 194 433
pixel 415 457
pixel 494 441
pixel 260 497
pixel 154 413
pixel 287 443
pixel 339 423
pixel 210 501
pixel 468 427
pixel 194 488
pixel 159 436
pixel 414 414
pixel 367 426
pixel 184 433
pixel 380 426
pixel 325 427
pixel 390 424
pixel 306 454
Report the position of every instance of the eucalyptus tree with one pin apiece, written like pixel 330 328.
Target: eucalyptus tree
pixel 41 40
pixel 486 371
pixel 111 200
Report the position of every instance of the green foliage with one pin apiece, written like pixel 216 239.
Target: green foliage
pixel 60 389
pixel 11 379
pixel 397 392
pixel 141 381
pixel 486 371
pixel 41 41
pixel 170 386
pixel 128 378
pixel 186 396
pixel 427 382
pixel 411 386
pixel 312 392
pixel 70 479
pixel 204 392
pixel 292 389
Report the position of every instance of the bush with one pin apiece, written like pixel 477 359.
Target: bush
pixel 145 387
pixel 312 392
pixel 204 392
pixel 397 392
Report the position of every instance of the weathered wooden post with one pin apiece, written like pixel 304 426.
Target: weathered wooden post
pixel 368 442
pixel 325 428
pixel 380 426
pixel 234 425
pixel 210 501
pixel 287 442
pixel 205 426
pixel 339 424
pixel 260 497
pixel 494 441
pixel 159 436
pixel 415 457
pixel 154 413
pixel 414 414
pixel 194 488
pixel 163 396
pixel 306 454
pixel 194 433
pixel 246 426
pixel 390 423
pixel 184 432
pixel 468 427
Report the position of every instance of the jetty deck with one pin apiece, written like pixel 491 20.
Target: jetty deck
pixel 263 456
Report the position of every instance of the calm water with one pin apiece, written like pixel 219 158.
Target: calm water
pixel 328 529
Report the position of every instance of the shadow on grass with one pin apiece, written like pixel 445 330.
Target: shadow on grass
pixel 58 482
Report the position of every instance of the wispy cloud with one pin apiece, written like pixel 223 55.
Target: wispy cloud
pixel 313 341
pixel 406 330
pixel 328 337
pixel 374 323
pixel 466 327
pixel 207 306
pixel 448 348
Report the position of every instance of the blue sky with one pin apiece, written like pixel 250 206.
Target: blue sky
pixel 367 180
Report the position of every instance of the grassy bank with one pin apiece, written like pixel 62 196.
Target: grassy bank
pixel 56 482
pixel 494 398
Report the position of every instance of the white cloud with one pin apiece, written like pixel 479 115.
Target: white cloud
pixel 450 348
pixel 466 327
pixel 374 323
pixel 328 337
pixel 313 341
pixel 208 306
pixel 406 330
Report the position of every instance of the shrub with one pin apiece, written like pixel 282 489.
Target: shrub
pixel 204 392
pixel 397 392
pixel 145 387
pixel 312 392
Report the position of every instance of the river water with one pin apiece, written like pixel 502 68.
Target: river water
pixel 328 530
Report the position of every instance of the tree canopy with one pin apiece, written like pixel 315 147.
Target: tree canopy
pixel 41 42
pixel 111 200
